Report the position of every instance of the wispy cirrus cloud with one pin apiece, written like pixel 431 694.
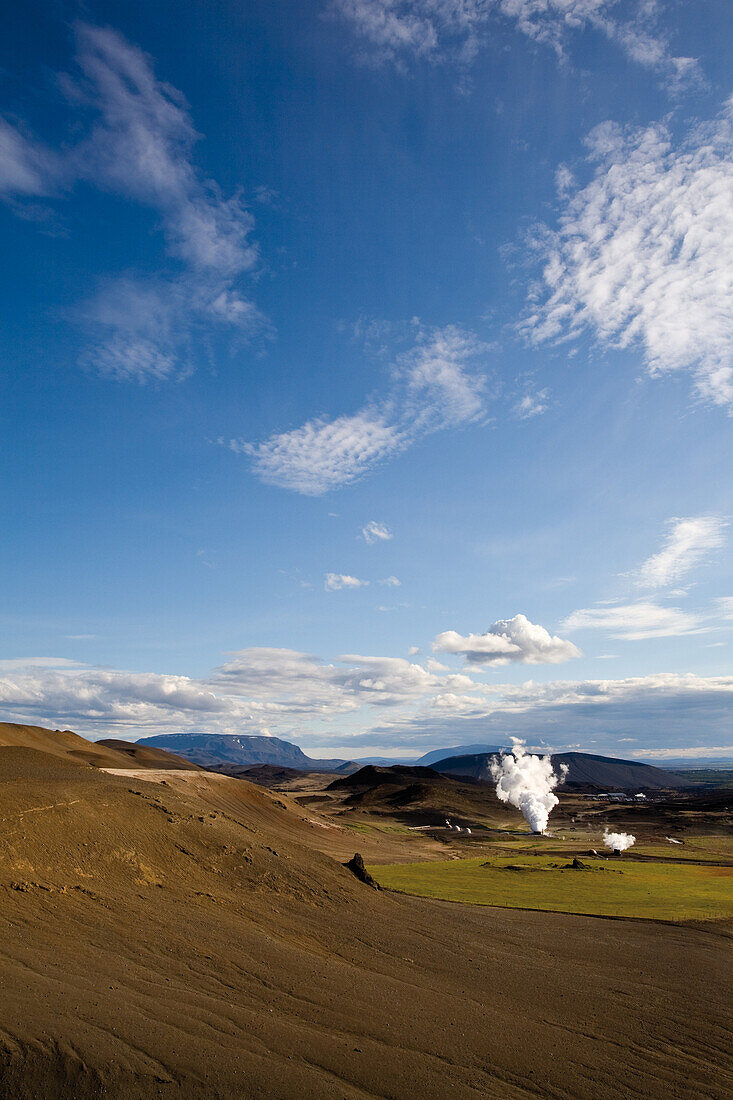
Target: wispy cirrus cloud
pixel 375 532
pixel 435 386
pixel 532 403
pixel 637 621
pixel 27 167
pixel 689 543
pixel 138 144
pixel 454 31
pixel 515 640
pixel 643 254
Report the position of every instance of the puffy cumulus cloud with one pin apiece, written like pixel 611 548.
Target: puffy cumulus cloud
pixel 301 680
pixel 442 31
pixel 508 640
pixel 643 255
pixel 435 386
pixel 316 703
pixel 101 702
pixel 636 621
pixel 334 582
pixel 257 690
pixel 138 144
pixel 298 683
pixel 689 542
pixel 376 532
pixel 388 681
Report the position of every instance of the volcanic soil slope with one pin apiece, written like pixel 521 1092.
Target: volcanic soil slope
pixel 177 934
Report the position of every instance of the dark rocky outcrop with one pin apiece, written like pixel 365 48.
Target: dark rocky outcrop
pixel 357 868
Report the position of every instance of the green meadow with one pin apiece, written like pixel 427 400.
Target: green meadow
pixel 609 888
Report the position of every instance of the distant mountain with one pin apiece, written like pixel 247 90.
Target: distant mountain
pixel 384 761
pixel 605 773
pixel 211 749
pixel 433 757
pixel 615 775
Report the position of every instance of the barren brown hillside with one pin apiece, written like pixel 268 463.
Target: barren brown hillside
pixel 177 934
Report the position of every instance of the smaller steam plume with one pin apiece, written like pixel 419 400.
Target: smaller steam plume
pixel 527 782
pixel 619 842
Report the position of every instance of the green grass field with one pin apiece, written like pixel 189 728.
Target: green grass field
pixel 618 888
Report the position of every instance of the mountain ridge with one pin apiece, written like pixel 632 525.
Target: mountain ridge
pixel 214 749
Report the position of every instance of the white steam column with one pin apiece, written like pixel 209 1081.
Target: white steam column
pixel 618 842
pixel 528 782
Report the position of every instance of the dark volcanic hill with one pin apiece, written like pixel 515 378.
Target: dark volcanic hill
pixel 615 775
pixel 431 758
pixel 265 775
pixel 373 775
pixel 415 795
pixel 210 750
pixel 604 773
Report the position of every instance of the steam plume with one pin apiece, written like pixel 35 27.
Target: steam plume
pixel 618 841
pixel 527 782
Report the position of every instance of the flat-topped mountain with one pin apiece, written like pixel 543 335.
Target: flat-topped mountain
pixel 212 749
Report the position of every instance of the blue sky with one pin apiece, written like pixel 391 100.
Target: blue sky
pixel 368 372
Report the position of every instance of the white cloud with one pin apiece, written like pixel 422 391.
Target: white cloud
pixel 532 404
pixel 725 605
pixel 322 454
pixel 140 147
pixel 27 168
pixel 107 701
pixel 688 543
pixel 376 532
pixel 515 640
pixel 336 581
pixel 435 386
pixel 455 30
pixel 442 391
pixel 391 582
pixel 306 699
pixel 643 255
pixel 303 683
pixel 691 753
pixel 636 621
